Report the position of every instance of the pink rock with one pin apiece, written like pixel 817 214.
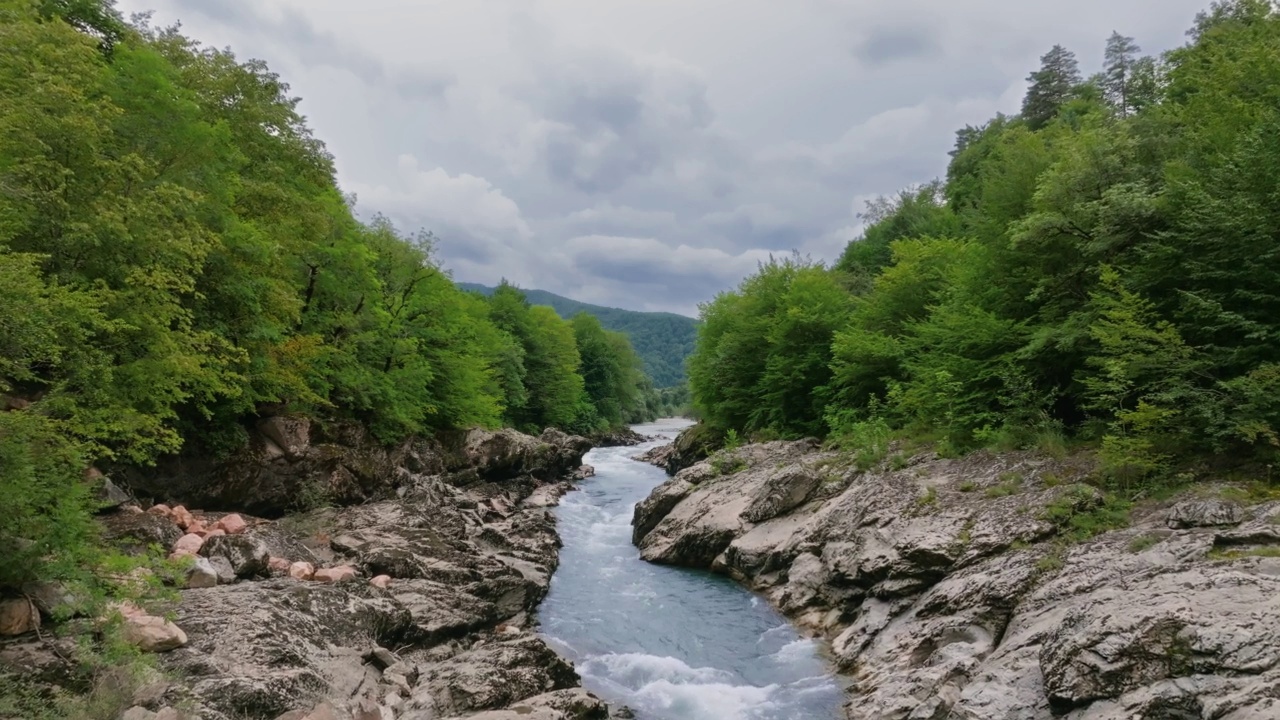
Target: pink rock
pixel 233 524
pixel 182 516
pixel 302 570
pixel 382 581
pixel 279 565
pixel 188 544
pixel 342 573
pixel 216 532
pixel 196 527
pixel 161 510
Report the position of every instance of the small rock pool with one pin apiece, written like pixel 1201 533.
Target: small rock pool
pixel 670 643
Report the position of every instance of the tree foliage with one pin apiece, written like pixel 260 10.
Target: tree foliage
pixel 1105 266
pixel 177 261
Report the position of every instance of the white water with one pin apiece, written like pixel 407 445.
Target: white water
pixel 670 643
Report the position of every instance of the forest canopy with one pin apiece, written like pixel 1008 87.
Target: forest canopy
pixel 177 260
pixel 1103 267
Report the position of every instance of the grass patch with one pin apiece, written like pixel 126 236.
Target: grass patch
pixel 1269 551
pixel 726 464
pixel 1080 517
pixel 1052 562
pixel 929 498
pixel 1004 489
pixel 1142 542
pixel 1250 492
pixel 899 462
pixel 967 486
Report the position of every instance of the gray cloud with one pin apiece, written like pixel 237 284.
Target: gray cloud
pixel 649 156
pixel 892 44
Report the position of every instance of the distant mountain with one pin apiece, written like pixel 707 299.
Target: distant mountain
pixel 663 340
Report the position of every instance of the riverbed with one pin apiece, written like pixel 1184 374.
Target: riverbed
pixel 669 643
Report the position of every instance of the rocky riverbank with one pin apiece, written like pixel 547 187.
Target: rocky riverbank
pixel 990 587
pixel 414 605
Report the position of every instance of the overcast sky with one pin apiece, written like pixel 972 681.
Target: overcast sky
pixel 648 153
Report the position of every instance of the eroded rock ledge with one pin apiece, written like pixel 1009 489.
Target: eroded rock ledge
pixel 423 609
pixel 949 591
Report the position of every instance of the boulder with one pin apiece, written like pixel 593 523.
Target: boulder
pixel 1207 512
pixel 135 532
pixel 341 573
pixel 278 645
pixel 290 433
pixel 161 510
pixel 618 437
pixel 188 545
pixel 150 633
pixel 502 455
pixel 693 445
pixel 382 581
pixel 302 570
pixel 278 565
pixel 202 574
pixel 493 676
pixel 182 517
pixel 222 567
pixel 231 524
pixel 247 556
pixel 55 599
pixel 18 616
pixel 109 495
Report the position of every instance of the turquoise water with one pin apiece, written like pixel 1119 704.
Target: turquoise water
pixel 670 643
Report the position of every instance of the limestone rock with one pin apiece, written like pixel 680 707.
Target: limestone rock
pixel 292 434
pixel 188 545
pixel 247 556
pixel 1209 512
pixel 150 633
pixel 18 616
pixel 493 676
pixel 231 524
pixel 182 517
pixel 341 573
pixel 135 532
pixel 109 495
pixel 202 574
pixel 302 570
pixel 972 605
pixel 653 509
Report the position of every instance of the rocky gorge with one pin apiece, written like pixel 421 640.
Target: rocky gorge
pixel 405 593
pixel 993 586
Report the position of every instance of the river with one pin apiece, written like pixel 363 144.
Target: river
pixel 670 643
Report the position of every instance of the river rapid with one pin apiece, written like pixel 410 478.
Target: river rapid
pixel 670 643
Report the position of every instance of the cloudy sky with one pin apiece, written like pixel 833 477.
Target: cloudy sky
pixel 648 153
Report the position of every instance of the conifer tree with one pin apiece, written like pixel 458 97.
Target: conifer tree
pixel 1051 86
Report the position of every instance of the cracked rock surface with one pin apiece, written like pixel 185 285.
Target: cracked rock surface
pixel 950 591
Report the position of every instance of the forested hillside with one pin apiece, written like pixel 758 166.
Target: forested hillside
pixel 663 340
pixel 176 260
pixel 1103 268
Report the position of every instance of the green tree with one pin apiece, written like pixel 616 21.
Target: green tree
pixel 1119 71
pixel 1051 86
